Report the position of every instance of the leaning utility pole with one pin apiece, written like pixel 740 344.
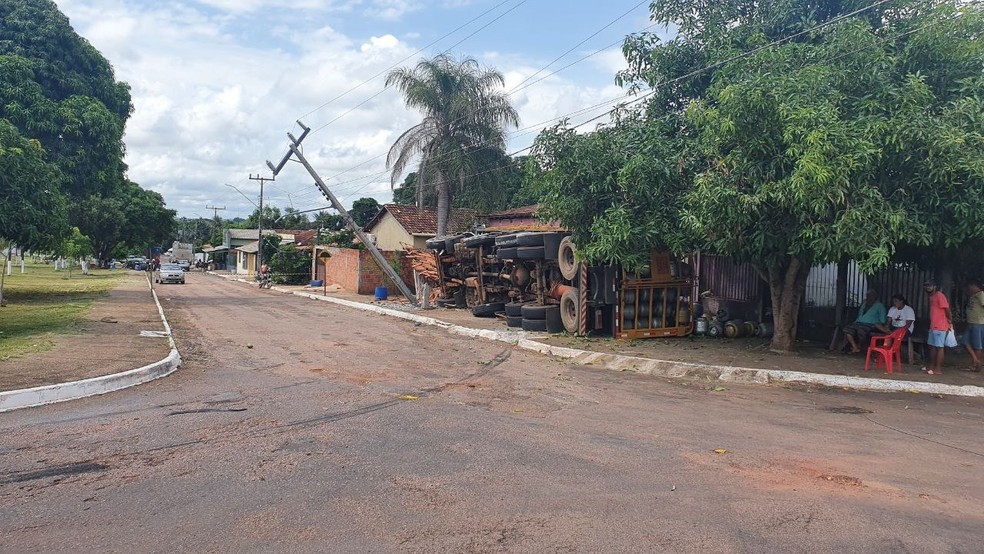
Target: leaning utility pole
pixel 215 209
pixel 259 220
pixel 295 150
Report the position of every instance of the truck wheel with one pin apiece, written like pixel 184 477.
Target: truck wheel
pixel 449 243
pixel 514 310
pixel 569 265
pixel 435 244
pixel 479 240
pixel 529 239
pixel 505 240
pixel 529 252
pixel 551 245
pixel 488 310
pixel 570 308
pixel 506 253
pixel 514 321
pixel 532 311
pixel 536 325
pixel 555 324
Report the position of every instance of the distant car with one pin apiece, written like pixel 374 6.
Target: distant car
pixel 185 265
pixel 134 261
pixel 170 273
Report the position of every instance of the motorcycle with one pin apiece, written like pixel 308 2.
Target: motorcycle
pixel 265 282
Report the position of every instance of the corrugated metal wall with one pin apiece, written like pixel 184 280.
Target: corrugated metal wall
pixel 727 279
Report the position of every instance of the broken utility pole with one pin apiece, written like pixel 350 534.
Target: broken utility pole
pixel 295 150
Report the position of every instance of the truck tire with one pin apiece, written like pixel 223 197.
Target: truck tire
pixel 514 310
pixel 449 243
pixel 566 259
pixel 479 240
pixel 435 244
pixel 529 239
pixel 570 311
pixel 533 311
pixel 488 310
pixel 529 252
pixel 514 321
pixel 535 325
pixel 551 245
pixel 506 253
pixel 505 240
pixel 555 324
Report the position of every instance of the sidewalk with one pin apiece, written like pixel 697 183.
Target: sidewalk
pixel 110 342
pixel 735 360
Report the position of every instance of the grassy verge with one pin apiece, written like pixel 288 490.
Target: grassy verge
pixel 44 303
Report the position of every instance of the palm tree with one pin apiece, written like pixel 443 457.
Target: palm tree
pixel 465 120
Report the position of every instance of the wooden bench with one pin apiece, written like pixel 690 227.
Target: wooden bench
pixel 916 339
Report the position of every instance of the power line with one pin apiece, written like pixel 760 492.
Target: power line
pixel 383 72
pixel 521 86
pixel 387 87
pixel 692 74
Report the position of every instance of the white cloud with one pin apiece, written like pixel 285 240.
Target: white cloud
pixel 213 103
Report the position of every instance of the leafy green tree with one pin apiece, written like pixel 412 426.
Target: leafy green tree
pixel 851 140
pixel 363 210
pixel 290 266
pixel 75 247
pixel 328 220
pixel 33 211
pixel 617 189
pixel 271 218
pixel 465 122
pixel 131 218
pixel 293 220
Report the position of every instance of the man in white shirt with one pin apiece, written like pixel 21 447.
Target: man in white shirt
pixel 900 314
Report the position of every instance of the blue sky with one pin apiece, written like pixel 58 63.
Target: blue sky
pixel 217 83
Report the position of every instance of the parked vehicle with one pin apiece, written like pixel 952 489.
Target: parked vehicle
pixel 534 280
pixel 170 273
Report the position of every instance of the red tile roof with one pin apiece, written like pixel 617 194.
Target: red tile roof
pixel 423 221
pixel 304 238
pixel 529 211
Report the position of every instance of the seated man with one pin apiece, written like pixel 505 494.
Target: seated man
pixel 870 314
pixel 900 315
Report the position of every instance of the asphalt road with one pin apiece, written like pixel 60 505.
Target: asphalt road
pixel 303 443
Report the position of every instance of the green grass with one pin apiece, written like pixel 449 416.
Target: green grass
pixel 44 303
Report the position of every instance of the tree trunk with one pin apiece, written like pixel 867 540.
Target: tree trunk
pixel 443 206
pixel 786 285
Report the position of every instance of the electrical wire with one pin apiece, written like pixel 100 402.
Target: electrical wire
pixel 387 87
pixel 694 73
pixel 418 52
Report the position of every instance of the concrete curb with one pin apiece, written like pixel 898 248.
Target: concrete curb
pixel 659 368
pixel 62 392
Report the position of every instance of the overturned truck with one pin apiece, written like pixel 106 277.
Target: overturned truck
pixel 534 280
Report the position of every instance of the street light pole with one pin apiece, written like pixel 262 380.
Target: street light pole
pixel 259 250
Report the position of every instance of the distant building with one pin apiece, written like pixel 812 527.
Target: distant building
pixel 397 225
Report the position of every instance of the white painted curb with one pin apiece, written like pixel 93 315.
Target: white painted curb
pixel 660 368
pixel 50 394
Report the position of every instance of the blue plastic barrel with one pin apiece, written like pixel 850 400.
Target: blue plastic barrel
pixel 381 293
pixel 317 283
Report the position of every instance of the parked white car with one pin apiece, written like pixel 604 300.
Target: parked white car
pixel 170 273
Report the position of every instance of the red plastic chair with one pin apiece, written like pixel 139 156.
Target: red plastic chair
pixel 887 349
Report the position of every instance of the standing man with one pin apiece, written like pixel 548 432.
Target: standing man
pixel 940 323
pixel 974 338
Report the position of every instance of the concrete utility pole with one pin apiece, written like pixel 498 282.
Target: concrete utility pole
pixel 259 220
pixel 215 209
pixel 295 150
